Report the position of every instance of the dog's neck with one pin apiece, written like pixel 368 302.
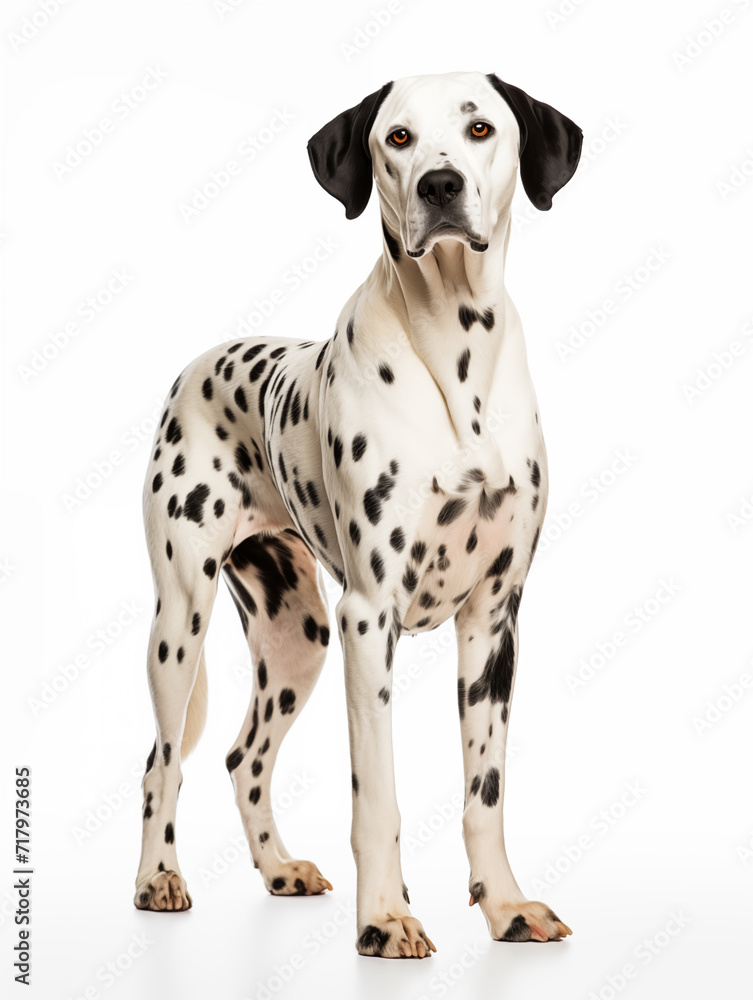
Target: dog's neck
pixel 453 307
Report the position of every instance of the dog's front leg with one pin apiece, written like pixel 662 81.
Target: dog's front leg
pixel 385 926
pixel 487 629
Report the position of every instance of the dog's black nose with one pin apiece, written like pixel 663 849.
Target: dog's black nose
pixel 439 187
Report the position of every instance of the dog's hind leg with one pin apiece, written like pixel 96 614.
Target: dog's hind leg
pixel 273 580
pixel 190 514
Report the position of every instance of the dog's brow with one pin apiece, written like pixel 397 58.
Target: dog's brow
pixel 468 107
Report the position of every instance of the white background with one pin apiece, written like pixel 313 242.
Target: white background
pixel 661 134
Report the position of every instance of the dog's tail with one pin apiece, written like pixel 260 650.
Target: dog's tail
pixel 196 714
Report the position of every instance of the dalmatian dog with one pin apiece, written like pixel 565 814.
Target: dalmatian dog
pixel 406 455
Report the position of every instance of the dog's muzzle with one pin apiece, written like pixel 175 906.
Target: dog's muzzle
pixel 443 210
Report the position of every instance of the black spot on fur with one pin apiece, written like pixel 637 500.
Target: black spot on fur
pixel 476 783
pixel 242 458
pixel 233 759
pixel 358 447
pixel 179 465
pixel 254 725
pixel 418 551
pixel 535 475
pixel 256 371
pixel 490 787
pixel 240 399
pixel 263 837
pixel 287 701
pixel 322 538
pixel 397 539
pixel 251 353
pixel 219 508
pixel 392 244
pixel 169 549
pixel 261 672
pixel 272 559
pixel 501 564
pixel 195 623
pixel 463 362
pixel 373 940
pixel 363 627
pixel 210 568
pixel 450 511
pixel 386 374
pixel 295 409
pixel 310 628
pixel 166 752
pixel 374 497
pixel 518 930
pixel 355 533
pixel 256 767
pixel 174 432
pixel 338 452
pixel 163 651
pixel 384 695
pixel 461 697
pixel 269 709
pixel 487 319
pixel 535 542
pixel 495 682
pixel 193 509
pixel 254 795
pixel 354 783
pixel 377 565
pixel 157 483
pixel 410 579
pixel 467 317
pixel 148 807
pixel 150 758
pixel 169 834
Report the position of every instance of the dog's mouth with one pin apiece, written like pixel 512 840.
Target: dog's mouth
pixel 446 230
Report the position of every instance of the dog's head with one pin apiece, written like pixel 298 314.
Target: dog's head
pixel 444 152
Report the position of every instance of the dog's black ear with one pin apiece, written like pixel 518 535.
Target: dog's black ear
pixel 550 144
pixel 339 153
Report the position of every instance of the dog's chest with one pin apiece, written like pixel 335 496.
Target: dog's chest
pixel 461 534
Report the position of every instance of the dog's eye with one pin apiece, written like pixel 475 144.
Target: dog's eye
pixel 480 129
pixel 400 137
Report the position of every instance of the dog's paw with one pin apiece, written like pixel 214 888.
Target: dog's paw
pixel 163 891
pixel 526 921
pixel 394 937
pixel 296 878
